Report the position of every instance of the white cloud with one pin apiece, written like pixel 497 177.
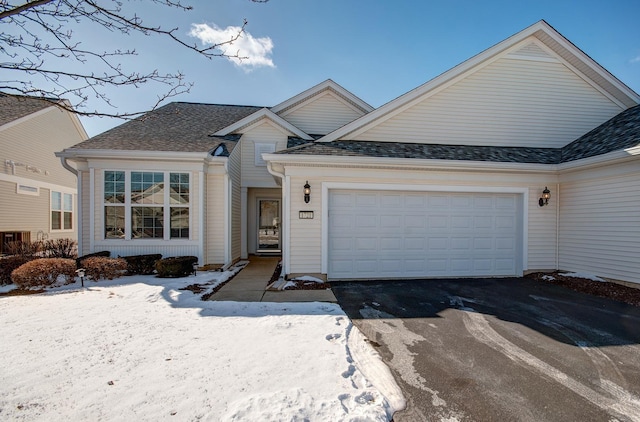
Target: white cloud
pixel 635 60
pixel 253 52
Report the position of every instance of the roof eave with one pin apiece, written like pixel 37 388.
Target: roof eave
pixel 388 162
pixel 75 154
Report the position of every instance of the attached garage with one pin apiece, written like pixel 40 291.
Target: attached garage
pixel 415 234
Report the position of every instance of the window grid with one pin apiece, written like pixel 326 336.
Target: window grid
pixel 137 206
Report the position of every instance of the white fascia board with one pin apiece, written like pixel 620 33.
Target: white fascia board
pixel 315 90
pixel 402 163
pixel 263 113
pixel 582 56
pixel 74 154
pixel 601 160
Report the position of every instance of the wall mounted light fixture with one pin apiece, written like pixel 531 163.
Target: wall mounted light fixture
pixel 307 192
pixel 544 199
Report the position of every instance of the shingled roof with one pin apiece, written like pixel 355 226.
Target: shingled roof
pixel 620 132
pixel 13 108
pixel 177 126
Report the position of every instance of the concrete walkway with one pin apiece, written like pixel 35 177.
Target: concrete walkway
pixel 250 283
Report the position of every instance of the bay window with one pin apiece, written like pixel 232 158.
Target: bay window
pixel 137 205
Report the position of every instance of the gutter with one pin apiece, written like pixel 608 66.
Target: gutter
pixel 66 165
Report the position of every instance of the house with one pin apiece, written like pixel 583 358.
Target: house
pixel 37 195
pixel 523 158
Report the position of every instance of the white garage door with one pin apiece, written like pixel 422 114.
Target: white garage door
pixel 389 234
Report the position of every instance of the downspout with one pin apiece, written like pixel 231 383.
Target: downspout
pixel 286 220
pixel 227 216
pixel 79 210
pixel 66 165
pixel 557 226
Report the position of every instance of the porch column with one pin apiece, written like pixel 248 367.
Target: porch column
pixel 244 254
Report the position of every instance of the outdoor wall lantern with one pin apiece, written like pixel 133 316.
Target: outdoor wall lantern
pixel 307 192
pixel 544 199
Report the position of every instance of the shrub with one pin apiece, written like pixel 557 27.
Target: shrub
pixel 101 267
pixel 60 248
pixel 80 260
pixel 24 248
pixel 141 264
pixel 177 266
pixel 44 272
pixel 10 263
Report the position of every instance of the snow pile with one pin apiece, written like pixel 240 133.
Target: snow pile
pixel 583 275
pixel 140 348
pixel 308 278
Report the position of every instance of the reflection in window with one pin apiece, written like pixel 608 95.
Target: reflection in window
pixel 142 195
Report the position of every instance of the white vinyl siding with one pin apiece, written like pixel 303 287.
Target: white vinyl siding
pixel 214 214
pixel 236 204
pixel 322 114
pixel 306 235
pixel 33 143
pixel 600 224
pixel 511 102
pixel 264 133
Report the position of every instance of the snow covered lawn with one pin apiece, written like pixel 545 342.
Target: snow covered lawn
pixel 139 348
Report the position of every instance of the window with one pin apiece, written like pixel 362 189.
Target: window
pixel 61 211
pixel 137 205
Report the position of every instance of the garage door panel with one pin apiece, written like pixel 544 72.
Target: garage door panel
pixel 427 235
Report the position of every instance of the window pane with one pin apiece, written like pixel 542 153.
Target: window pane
pixel 147 188
pixel 146 222
pixel 179 223
pixel 68 221
pixel 56 220
pixel 68 202
pixel 114 222
pixel 56 201
pixel 179 188
pixel 114 187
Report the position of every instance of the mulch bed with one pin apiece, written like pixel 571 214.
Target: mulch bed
pixel 609 290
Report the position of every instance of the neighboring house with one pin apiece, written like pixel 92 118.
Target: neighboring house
pixel 444 181
pixel 37 195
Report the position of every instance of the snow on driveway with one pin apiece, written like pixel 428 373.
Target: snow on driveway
pixel 138 348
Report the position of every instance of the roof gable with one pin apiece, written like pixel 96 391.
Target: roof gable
pixel 256 117
pixel 541 47
pixel 13 108
pixel 308 95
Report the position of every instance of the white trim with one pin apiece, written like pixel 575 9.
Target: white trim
pixel 263 113
pixel 286 214
pixel 75 153
pixel 79 220
pixel 201 208
pixel 327 186
pixel 471 65
pixel 315 90
pixel 318 96
pixel 92 210
pixel 228 253
pixel 402 163
pixel 24 189
pixel 244 252
pixel 36 183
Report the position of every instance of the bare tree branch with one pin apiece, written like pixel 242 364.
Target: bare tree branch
pixel 40 57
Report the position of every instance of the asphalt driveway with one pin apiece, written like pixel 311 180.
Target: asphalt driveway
pixel 501 349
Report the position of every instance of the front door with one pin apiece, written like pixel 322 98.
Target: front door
pixel 269 225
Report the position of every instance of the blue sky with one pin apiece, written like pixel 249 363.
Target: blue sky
pixel 376 49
